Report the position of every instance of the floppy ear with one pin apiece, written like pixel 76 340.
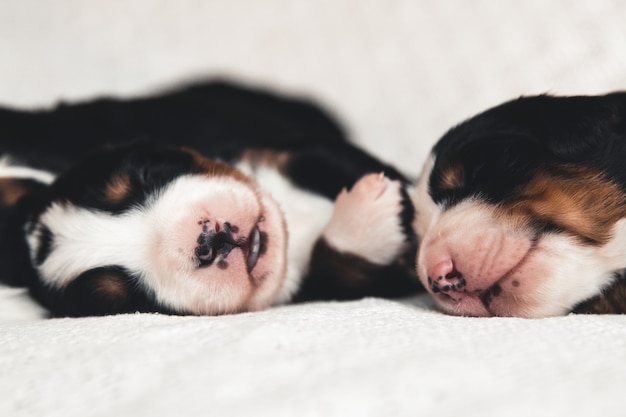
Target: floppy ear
pixel 567 129
pixel 574 148
pixel 479 165
pixel 588 128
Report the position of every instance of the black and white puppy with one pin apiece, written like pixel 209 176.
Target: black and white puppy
pixel 211 199
pixel 521 210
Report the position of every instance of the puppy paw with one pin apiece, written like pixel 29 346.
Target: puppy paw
pixel 366 220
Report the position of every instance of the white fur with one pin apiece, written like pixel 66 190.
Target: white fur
pixel 574 272
pixel 426 210
pixel 306 215
pixel 579 271
pixel 86 239
pixel 9 169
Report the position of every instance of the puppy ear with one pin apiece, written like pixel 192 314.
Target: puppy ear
pixel 588 127
pixel 577 146
pixel 612 299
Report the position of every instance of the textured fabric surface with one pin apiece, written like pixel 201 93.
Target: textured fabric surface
pixel 398 74
pixel 367 358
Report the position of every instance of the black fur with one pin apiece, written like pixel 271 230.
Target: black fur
pixel 504 147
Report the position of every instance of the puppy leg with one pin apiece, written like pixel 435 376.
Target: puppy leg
pixel 362 249
pixel 366 220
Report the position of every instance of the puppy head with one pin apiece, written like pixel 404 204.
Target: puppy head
pixel 520 210
pixel 145 228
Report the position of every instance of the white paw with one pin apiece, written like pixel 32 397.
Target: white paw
pixel 366 220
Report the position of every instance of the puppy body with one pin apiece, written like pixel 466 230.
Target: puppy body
pixel 521 210
pixel 207 200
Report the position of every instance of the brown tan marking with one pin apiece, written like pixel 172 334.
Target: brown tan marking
pixel 118 188
pixel 215 168
pixel 256 157
pixel 453 176
pixel 576 199
pixel 11 190
pixel 111 286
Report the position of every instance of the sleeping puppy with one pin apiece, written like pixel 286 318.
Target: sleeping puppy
pixel 521 210
pixel 212 199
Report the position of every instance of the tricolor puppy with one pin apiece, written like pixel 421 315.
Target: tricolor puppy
pixel 208 200
pixel 521 210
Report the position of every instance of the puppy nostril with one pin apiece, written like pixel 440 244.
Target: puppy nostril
pixel 454 274
pixel 205 255
pixel 448 279
pixel 455 278
pixel 215 244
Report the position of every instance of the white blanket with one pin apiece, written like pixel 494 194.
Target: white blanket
pixel 398 73
pixel 366 358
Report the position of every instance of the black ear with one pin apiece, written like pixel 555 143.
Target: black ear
pixel 572 148
pixel 579 129
pixel 98 292
pixel 490 165
pixel 581 141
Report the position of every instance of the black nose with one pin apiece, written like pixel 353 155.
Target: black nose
pixel 212 246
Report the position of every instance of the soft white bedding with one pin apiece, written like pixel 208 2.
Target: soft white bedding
pixel 398 73
pixel 366 358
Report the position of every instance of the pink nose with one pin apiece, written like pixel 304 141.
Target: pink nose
pixel 444 277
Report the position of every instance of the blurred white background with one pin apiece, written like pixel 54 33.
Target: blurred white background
pixel 398 73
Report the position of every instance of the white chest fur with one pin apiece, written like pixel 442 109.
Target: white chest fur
pixel 306 215
pixel 9 169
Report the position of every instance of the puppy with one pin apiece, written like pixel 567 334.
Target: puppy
pixel 521 210
pixel 211 199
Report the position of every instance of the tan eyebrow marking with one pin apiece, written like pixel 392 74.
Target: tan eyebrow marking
pixel 452 176
pixel 579 200
pixel 118 188
pixel 12 189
